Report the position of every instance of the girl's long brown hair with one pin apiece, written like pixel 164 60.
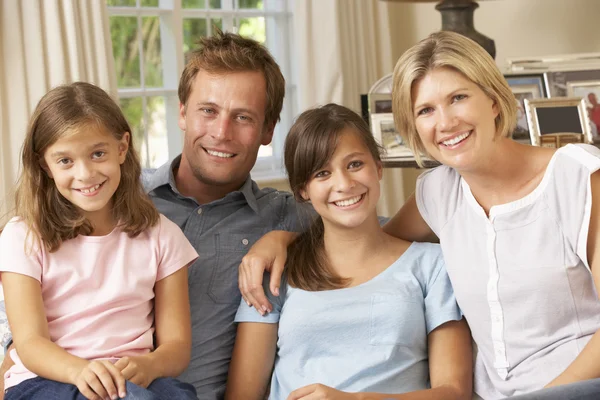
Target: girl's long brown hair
pixel 51 217
pixel 310 144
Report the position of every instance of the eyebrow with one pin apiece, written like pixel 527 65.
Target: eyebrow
pixel 352 155
pixel 452 93
pixel 234 110
pixel 65 153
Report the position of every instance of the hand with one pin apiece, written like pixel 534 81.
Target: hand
pixel 137 369
pixel 320 392
pixel 268 254
pixel 100 380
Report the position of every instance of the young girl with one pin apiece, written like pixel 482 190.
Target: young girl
pixel 361 311
pixel 95 280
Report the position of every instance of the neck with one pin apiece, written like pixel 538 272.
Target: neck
pixel 203 192
pixel 350 249
pixel 505 174
pixel 103 222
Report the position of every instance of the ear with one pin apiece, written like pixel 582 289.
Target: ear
pixel 181 120
pixel 45 168
pixel 267 134
pixel 304 195
pixel 495 109
pixel 379 170
pixel 123 147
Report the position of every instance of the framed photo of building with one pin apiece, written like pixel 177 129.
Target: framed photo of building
pixel 525 86
pixel 555 122
pixel 385 133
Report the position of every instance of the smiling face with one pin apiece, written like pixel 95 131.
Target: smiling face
pixel 224 125
pixel 455 119
pixel 85 165
pixel 345 191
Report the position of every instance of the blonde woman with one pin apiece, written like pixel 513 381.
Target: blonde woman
pixel 518 225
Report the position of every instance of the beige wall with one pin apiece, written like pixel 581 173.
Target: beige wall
pixel 520 28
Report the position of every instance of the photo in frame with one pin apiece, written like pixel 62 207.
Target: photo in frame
pixel 590 92
pixel 558 81
pixel 525 86
pixel 385 133
pixel 558 121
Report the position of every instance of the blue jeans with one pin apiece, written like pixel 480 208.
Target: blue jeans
pixel 46 389
pixel 584 390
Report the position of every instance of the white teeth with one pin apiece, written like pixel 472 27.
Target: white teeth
pixel 219 154
pixel 348 202
pixel 90 190
pixel 456 139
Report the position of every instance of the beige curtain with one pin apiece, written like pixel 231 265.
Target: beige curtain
pixel 45 43
pixel 344 46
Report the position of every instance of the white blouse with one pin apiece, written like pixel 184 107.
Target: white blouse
pixel 520 275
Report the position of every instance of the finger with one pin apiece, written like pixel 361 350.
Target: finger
pixel 247 291
pixel 121 363
pixel 242 283
pixel 302 392
pixel 94 382
pixel 117 378
pixel 255 280
pixel 276 272
pixel 106 379
pixel 87 392
pixel 129 372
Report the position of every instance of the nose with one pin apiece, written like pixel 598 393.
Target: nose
pixel 223 129
pixel 344 182
pixel 84 171
pixel 446 119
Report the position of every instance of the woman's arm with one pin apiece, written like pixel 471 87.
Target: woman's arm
pixel 252 361
pixel 586 365
pixel 31 338
pixel 450 371
pixel 173 331
pixel 408 224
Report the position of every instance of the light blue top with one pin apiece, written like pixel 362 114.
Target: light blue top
pixel 371 337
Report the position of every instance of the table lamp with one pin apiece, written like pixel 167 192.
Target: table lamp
pixel 457 16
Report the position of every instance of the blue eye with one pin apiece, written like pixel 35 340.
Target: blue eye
pixel 425 110
pixel 459 97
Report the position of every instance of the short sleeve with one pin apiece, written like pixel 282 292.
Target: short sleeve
pixel 18 256
pixel 294 216
pixel 247 313
pixel 440 303
pixel 437 196
pixel 174 248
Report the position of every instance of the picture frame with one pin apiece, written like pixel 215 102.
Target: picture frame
pixel 385 133
pixel 590 92
pixel 380 103
pixel 556 121
pixel 558 81
pixel 525 86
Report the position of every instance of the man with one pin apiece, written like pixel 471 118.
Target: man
pixel 231 94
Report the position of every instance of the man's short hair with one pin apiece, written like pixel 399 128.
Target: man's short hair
pixel 228 52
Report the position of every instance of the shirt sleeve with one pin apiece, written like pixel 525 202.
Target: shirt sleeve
pixel 174 248
pixel 19 252
pixel 294 216
pixel 437 194
pixel 440 303
pixel 248 313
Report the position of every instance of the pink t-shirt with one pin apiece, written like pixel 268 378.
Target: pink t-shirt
pixel 98 291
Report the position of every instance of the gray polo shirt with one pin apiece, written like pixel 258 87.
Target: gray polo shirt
pixel 221 231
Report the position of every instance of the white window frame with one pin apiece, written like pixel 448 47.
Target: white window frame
pixel 279 41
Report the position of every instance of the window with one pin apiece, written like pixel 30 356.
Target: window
pixel 150 39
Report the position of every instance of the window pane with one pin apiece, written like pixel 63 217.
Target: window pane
pixel 215 22
pixel 214 3
pixel 123 32
pixel 149 3
pixel 193 4
pixel 253 28
pixel 121 3
pixel 152 55
pixel 255 4
pixel 193 29
pixel 132 108
pixel 158 147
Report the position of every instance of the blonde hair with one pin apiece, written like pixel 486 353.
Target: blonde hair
pixel 38 202
pixel 446 49
pixel 228 52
